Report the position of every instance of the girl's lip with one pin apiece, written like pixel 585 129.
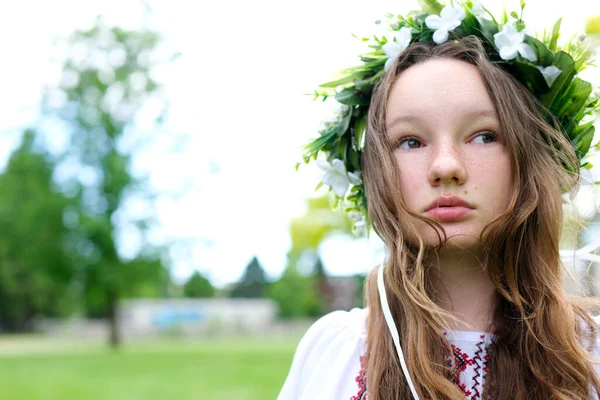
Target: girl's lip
pixel 448 201
pixel 452 213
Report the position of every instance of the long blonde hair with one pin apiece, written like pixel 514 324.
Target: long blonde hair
pixel 537 352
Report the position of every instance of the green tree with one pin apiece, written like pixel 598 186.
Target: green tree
pixel 253 283
pixel 319 221
pixel 106 79
pixel 308 294
pixel 198 286
pixel 309 230
pixel 36 271
pixel 296 295
pixel 145 277
pixel 360 289
pixel 324 286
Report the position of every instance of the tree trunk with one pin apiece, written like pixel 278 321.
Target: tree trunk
pixel 114 335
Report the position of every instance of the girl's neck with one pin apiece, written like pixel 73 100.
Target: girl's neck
pixel 462 286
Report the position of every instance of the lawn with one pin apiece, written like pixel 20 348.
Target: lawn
pixel 215 369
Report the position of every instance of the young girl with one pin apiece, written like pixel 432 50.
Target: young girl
pixel 463 169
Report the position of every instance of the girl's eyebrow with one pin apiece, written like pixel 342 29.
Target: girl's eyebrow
pixel 471 114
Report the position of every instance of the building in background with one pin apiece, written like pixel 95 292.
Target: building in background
pixel 196 317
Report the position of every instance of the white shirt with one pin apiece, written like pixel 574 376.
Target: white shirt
pixel 329 362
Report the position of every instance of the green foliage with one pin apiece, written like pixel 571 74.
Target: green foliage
pixel 319 269
pixel 253 283
pixel 198 286
pixel 36 271
pixel 325 290
pixel 296 295
pixel 431 6
pixel 308 295
pixel 360 289
pixel 319 221
pixel 145 277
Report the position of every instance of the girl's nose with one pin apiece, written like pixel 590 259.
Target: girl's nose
pixel 447 166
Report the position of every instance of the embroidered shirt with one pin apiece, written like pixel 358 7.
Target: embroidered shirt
pixel 330 364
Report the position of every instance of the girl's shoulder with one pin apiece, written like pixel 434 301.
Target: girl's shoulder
pixel 328 357
pixel 336 326
pixel 352 323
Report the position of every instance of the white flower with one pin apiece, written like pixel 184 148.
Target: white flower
pixel 550 73
pixel 338 116
pixel 393 48
pixel 510 43
pixel 448 20
pixel 355 178
pixel 359 222
pixel 358 219
pixel 336 176
pixel 581 37
pixel 340 112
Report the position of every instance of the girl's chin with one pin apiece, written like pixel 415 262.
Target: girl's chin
pixel 456 241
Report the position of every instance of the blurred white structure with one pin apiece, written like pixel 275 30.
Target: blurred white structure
pixel 584 263
pixel 195 317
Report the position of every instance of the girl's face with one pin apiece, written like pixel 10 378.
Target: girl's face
pixel 453 164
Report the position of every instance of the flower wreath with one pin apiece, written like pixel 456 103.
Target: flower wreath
pixel 547 70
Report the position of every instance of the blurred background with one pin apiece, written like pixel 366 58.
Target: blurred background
pixel 156 240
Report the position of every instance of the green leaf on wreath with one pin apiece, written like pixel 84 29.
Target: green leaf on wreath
pixel 343 81
pixel 353 97
pixel 544 55
pixel 565 63
pixel 469 25
pixel 573 126
pixel 504 16
pixel 359 132
pixel 555 35
pixel 584 142
pixel 431 6
pixel 529 76
pixel 488 29
pixel 320 143
pixel 342 146
pixel 354 159
pixel 342 127
pixel 573 101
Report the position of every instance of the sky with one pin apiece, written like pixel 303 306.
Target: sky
pixel 238 97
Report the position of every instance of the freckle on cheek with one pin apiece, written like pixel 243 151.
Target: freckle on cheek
pixel 466 192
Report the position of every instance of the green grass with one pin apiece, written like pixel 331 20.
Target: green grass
pixel 214 369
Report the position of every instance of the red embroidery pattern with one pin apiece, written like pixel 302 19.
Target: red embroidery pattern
pixel 477 360
pixel 361 380
pixel 461 361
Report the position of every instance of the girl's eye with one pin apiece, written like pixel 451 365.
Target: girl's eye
pixel 485 137
pixel 409 143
